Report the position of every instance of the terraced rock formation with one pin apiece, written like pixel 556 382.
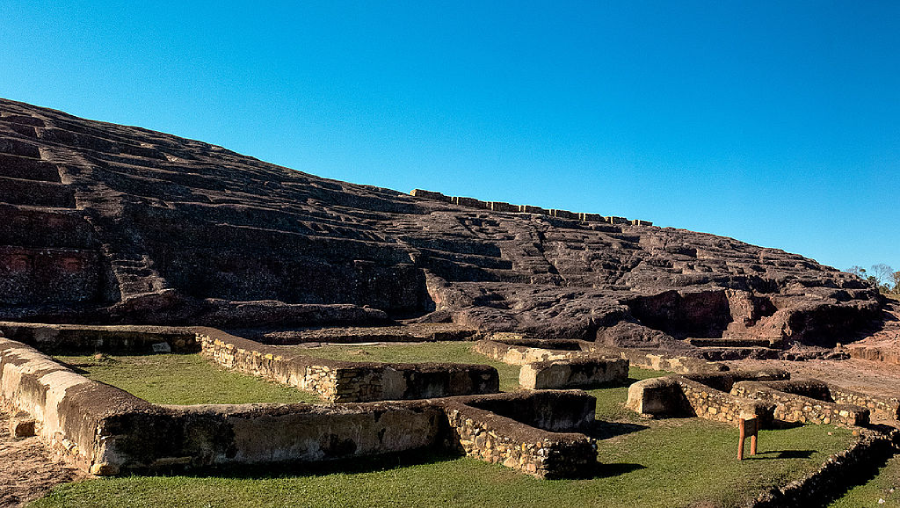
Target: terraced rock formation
pixel 107 224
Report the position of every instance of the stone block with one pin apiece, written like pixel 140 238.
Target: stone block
pixel 563 214
pixel 572 373
pixel 434 196
pixel 500 206
pixel 470 202
pixel 658 397
pixel 532 209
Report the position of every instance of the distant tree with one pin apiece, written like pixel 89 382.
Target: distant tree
pixel 884 276
pixel 881 277
pixel 858 271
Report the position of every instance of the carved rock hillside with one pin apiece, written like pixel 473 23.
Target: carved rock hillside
pixel 104 223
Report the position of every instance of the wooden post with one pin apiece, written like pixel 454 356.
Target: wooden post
pixel 747 426
pixel 753 435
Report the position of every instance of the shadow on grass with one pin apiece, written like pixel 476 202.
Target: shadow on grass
pixel 354 465
pixel 610 470
pixel 606 430
pixel 783 454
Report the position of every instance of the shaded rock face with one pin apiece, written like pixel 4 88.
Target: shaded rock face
pixel 110 224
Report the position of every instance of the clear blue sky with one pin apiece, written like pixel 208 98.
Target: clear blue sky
pixel 773 122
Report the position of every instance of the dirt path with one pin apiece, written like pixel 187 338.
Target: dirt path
pixel 27 469
pixel 873 378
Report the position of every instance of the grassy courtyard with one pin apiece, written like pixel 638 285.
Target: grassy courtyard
pixel 647 463
pixel 182 379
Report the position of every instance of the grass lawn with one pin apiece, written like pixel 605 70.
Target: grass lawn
pixel 885 486
pixel 183 379
pixel 647 463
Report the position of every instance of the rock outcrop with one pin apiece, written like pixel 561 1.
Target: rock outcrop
pixel 104 223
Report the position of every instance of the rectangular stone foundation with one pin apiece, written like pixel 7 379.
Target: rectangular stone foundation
pixel 108 431
pixel 791 407
pixel 337 381
pixel 572 373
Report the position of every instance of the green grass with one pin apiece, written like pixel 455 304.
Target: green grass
pixel 452 352
pixel 183 379
pixel 884 486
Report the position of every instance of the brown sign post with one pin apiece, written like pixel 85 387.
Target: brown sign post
pixel 748 426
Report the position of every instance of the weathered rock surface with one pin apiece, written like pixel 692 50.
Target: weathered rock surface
pixel 104 223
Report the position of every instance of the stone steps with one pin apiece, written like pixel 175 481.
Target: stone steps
pixel 28 168
pixel 16 191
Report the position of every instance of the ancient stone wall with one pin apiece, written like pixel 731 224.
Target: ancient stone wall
pixel 553 410
pixel 883 407
pixel 791 407
pixel 499 206
pixel 679 396
pixel 570 373
pixel 723 381
pixel 655 360
pixel 711 404
pixel 108 431
pixel 535 433
pixel 517 353
pixel 338 381
pixel 68 407
pixel 533 451
pixel 88 339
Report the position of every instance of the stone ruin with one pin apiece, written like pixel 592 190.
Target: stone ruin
pixel 122 238
pixel 381 408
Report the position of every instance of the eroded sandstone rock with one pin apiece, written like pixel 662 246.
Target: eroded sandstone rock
pixel 104 223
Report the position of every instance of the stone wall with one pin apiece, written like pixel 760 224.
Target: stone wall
pixel 499 206
pixel 68 407
pixel 535 433
pixel 655 360
pixel 520 351
pixel 493 438
pixel 573 372
pixel 108 431
pixel 553 410
pixel 884 407
pixel 134 339
pixel 711 404
pixel 338 381
pixel 791 407
pixel 723 381
pixel 679 396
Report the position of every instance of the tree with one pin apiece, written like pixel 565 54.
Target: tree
pixel 881 277
pixel 884 276
pixel 858 271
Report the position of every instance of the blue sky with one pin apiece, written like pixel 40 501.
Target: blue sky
pixel 773 122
